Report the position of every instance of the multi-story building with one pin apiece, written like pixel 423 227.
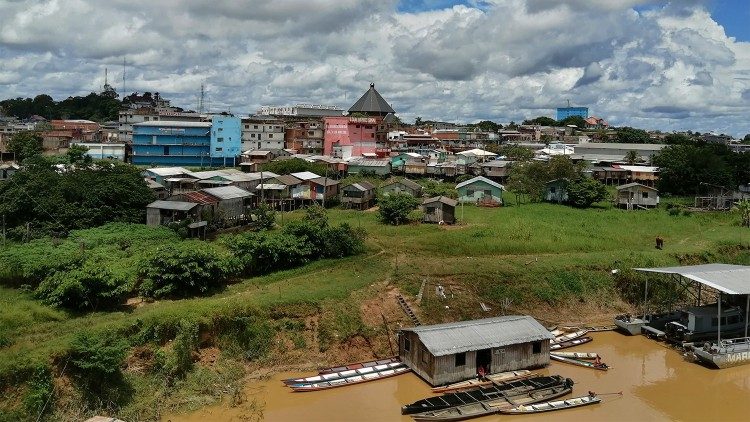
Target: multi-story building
pixel 130 116
pixel 305 138
pixel 104 151
pixel 168 143
pixel 347 137
pixel 564 112
pixel 300 110
pixel 259 134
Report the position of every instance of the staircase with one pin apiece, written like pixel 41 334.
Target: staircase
pixel 407 310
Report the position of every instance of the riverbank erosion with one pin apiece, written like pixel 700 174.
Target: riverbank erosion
pixel 558 264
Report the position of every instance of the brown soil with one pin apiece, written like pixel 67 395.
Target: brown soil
pixel 140 360
pixel 208 356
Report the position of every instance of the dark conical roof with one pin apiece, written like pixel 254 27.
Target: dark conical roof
pixel 371 103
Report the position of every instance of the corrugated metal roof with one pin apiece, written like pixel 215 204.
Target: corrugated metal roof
pixel 480 179
pixel 325 181
pixel 371 102
pixel 730 279
pixel 168 171
pixel 443 199
pixel 365 162
pixel 459 337
pixel 227 192
pixel 172 205
pixel 305 175
pixel 406 182
pixel 630 185
pixel 200 197
pixel 288 180
pixel 362 186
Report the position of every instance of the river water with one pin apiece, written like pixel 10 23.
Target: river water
pixel 656 381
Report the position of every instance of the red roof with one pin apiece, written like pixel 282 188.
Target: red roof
pixel 200 198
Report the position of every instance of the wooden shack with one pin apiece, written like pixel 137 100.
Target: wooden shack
pixel 635 195
pixel 446 353
pixel 359 195
pixel 402 185
pixel 439 209
pixel 556 191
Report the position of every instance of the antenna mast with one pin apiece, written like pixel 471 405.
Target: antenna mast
pixel 202 100
pixel 123 77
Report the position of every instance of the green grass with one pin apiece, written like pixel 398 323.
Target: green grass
pixel 537 256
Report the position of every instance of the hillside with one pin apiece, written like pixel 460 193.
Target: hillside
pixel 552 262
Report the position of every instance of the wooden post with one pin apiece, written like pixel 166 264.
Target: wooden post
pixel 747 309
pixel 718 335
pixel 388 334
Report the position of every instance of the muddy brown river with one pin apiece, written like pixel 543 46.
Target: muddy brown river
pixel 656 381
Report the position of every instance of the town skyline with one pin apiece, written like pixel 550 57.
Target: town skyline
pixel 643 64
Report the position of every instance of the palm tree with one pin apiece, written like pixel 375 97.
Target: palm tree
pixel 632 157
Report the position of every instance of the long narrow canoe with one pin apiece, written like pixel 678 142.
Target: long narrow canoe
pixel 570 336
pixel 356 379
pixel 359 365
pixel 343 374
pixel 493 406
pixel 576 355
pixel 585 364
pixel 552 405
pixel 482 394
pixel 570 343
pixel 473 384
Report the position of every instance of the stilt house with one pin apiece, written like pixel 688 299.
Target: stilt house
pixel 445 353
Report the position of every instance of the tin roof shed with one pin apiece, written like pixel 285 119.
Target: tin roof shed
pixel 459 337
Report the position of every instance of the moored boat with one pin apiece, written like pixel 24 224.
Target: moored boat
pixel 571 343
pixel 495 405
pixel 729 352
pixel 491 379
pixel 629 324
pixel 569 336
pixel 482 394
pixel 332 376
pixel 355 379
pixel 577 355
pixel 585 364
pixel 553 405
pixel 359 365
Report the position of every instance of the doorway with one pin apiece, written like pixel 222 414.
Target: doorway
pixel 484 361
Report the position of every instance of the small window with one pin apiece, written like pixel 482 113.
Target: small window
pixel 460 359
pixel 714 322
pixel 219 139
pixel 536 347
pixel 425 355
pixel 255 126
pixel 270 136
pixel 407 344
pixel 469 192
pixel 553 189
pixel 734 319
pixel 247 126
pixel 487 192
pixel 219 149
pixel 645 194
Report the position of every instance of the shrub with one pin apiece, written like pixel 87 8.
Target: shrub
pixel 395 209
pixel 249 336
pixel 264 217
pixel 180 360
pixel 40 391
pixel 96 359
pixel 585 191
pixel 88 288
pixel 342 240
pixel 415 216
pixel 184 269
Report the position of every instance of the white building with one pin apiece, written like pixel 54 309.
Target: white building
pixel 300 110
pixel 104 151
pixel 262 134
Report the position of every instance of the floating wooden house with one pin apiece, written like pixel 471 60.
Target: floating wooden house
pixel 359 195
pixel 447 353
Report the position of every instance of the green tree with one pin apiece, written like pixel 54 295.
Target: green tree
pixel 25 145
pixel 78 154
pixel 682 168
pixel 632 157
pixel 629 135
pixel 88 288
pixel 746 139
pixel 418 122
pixel 95 360
pixel 561 167
pixel 513 152
pixel 743 208
pixel 264 217
pixel 184 269
pixel 294 165
pixel 395 209
pixel 577 121
pixel 678 139
pixel 489 126
pixel 585 191
pixel 541 120
pixel 528 179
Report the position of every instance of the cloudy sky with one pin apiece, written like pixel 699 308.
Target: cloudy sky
pixel 674 65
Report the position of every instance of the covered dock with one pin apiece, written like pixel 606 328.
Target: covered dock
pixel 730 286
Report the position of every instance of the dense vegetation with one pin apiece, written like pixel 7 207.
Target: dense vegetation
pixel 96 107
pixel 294 165
pixel 395 209
pixel 687 169
pixel 540 259
pixel 45 199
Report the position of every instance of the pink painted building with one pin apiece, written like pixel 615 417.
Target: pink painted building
pixel 347 137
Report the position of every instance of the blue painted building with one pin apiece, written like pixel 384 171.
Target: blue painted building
pixel 226 139
pixel 199 144
pixel 563 112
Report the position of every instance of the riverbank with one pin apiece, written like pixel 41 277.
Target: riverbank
pixel 552 262
pixel 656 381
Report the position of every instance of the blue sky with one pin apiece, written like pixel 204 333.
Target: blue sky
pixel 733 15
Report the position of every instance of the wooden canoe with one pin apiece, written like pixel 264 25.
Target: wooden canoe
pixel 585 364
pixel 343 374
pixel 552 405
pixel 570 336
pixel 431 404
pixel 359 365
pixel 352 380
pixel 577 355
pixel 493 406
pixel 571 343
pixel 473 384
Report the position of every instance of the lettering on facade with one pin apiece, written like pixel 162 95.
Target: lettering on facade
pixel 738 357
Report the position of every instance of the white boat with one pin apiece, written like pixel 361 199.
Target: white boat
pixel 569 343
pixel 576 355
pixel 344 374
pixel 730 352
pixel 355 379
pixel 487 380
pixel 570 336
pixel 552 405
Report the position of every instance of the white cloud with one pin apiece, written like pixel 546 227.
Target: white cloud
pixel 671 67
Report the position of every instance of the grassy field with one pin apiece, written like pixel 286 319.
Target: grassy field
pixel 551 261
